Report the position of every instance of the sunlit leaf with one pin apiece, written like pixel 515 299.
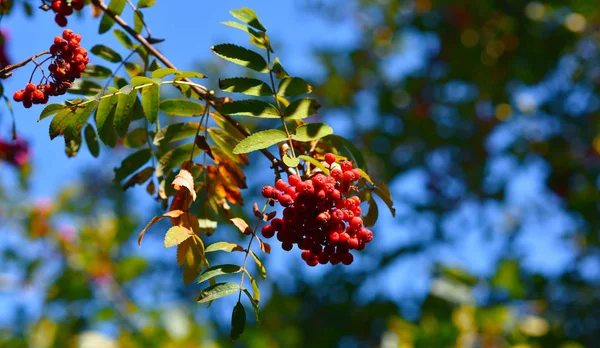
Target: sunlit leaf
pixel 162 72
pixel 176 235
pixel 312 131
pixel 291 162
pixel 301 108
pixel 241 225
pixel 217 271
pixel 116 7
pixel 260 140
pixel 181 107
pixel 224 246
pixel 293 86
pixel 241 56
pixel 217 291
pixel 176 131
pixel 123 109
pixel 123 38
pixel 249 17
pixel 248 86
pixel 261 268
pixel 184 179
pixel 250 107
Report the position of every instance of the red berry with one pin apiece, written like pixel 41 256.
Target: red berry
pixel 277 224
pixel 352 243
pixel 348 176
pixel 77 5
pixel 56 5
pixel 356 222
pixel 293 180
pixel 268 231
pixel 344 237
pixel 280 185
pixel 337 174
pixel 287 246
pixel 323 258
pixel 267 191
pixel 18 96
pixel 329 158
pixel 60 20
pixel 30 87
pixel 346 165
pixel 347 259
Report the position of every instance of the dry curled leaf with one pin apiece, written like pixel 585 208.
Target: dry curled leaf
pixel 185 179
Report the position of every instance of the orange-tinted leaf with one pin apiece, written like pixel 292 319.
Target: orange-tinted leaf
pixel 185 179
pixel 241 225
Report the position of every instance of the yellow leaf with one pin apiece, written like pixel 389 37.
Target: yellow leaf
pixel 185 179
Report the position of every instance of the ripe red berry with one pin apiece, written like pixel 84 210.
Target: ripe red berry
pixel 267 191
pixel 348 176
pixel 30 87
pixel 287 246
pixel 347 259
pixel 293 180
pixel 60 20
pixel 346 165
pixel 268 231
pixel 337 174
pixel 56 5
pixel 77 5
pixel 280 185
pixel 352 243
pixel 18 96
pixel 330 158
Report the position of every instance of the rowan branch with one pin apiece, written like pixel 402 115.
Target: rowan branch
pixel 204 94
pixel 6 72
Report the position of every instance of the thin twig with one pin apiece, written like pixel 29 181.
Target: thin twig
pixel 137 12
pixel 204 94
pixel 6 71
pixel 248 250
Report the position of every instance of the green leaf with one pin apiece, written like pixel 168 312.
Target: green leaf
pixel 125 103
pixel 190 74
pixel 301 108
pixel 129 268
pixel 133 69
pixel 132 163
pixel 246 86
pixel 238 321
pixel 176 235
pixel 70 122
pixel 312 131
pixel 250 107
pixel 315 163
pixel 162 72
pixel 150 102
pixel 51 109
pixel 225 142
pixel 241 56
pixel 173 158
pixel 372 215
pixel 248 16
pixel 224 246
pixel 139 178
pixel 85 87
pixel 98 71
pixel 138 22
pixel 278 69
pixel 106 53
pixel 255 289
pixel 291 162
pixel 91 140
pixel 181 107
pixel 136 138
pixel 365 175
pixel 261 268
pixel 116 7
pixel 348 146
pixel 384 193
pixel 257 38
pixel 219 270
pixel 260 140
pixel 217 291
pixel 72 145
pixel 105 115
pixel 293 86
pixel 254 306
pixel 146 3
pixel 123 38
pixel 176 131
pixel 142 80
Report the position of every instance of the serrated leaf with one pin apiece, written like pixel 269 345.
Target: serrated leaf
pixel 301 108
pixel 241 56
pixel 217 291
pixel 315 162
pixel 257 38
pixel 241 225
pixel 249 17
pixel 105 120
pixel 312 131
pixel 260 140
pixel 123 38
pixel 293 86
pixel 176 235
pixel 181 107
pixel 173 158
pixel 250 107
pixel 70 122
pixel 106 53
pixel 278 69
pixel 132 163
pixel 51 109
pixel 170 214
pixel 116 7
pixel 139 178
pixel 92 70
pixel 123 109
pixel 91 140
pixel 291 162
pixel 162 72
pixel 383 192
pixel 176 131
pixel 142 80
pixel 371 217
pixel 217 271
pixel 261 268
pixel 184 179
pixel 248 86
pixel 225 143
pixel 150 102
pixel 238 321
pixel 224 246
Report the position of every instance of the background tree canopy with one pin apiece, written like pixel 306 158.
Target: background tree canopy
pixel 482 117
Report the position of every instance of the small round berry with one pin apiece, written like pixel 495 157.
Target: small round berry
pixel 323 258
pixel 267 191
pixel 348 215
pixel 312 262
pixel 56 5
pixel 329 158
pixel 287 246
pixel 18 96
pixel 60 20
pixel 286 200
pixel 30 87
pixel 356 174
pixel 268 231
pixel 77 5
pixel 348 176
pixel 277 224
pixel 334 237
pixel 280 185
pixel 356 222
pixel 346 165
pixel 344 237
pixel 337 174
pixel 347 259
pixel 352 243
pixel 293 180
pixel 357 211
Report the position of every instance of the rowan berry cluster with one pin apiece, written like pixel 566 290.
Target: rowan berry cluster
pixel 317 216
pixel 65 8
pixel 69 60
